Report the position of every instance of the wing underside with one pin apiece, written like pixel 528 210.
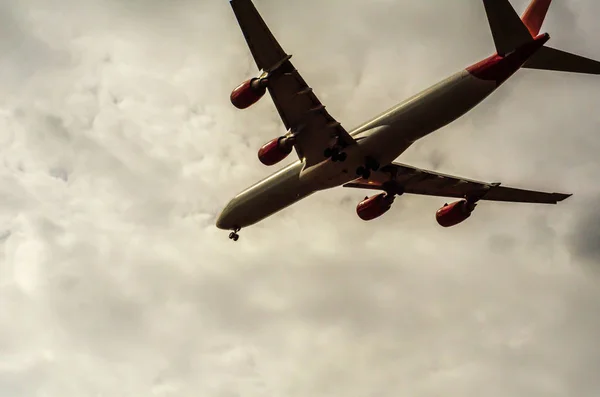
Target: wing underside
pixel 401 178
pixel 301 112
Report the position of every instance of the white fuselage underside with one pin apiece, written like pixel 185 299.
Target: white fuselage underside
pixel 384 139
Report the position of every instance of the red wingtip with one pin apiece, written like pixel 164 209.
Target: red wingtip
pixel 535 14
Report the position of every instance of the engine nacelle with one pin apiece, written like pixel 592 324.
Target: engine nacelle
pixel 374 206
pixel 455 213
pixel 248 93
pixel 275 150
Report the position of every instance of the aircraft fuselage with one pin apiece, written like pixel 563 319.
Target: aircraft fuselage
pixel 383 139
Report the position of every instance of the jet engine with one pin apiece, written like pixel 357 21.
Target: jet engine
pixel 455 213
pixel 248 93
pixel 374 206
pixel 276 150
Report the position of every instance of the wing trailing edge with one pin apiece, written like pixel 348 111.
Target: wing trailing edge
pixel 402 178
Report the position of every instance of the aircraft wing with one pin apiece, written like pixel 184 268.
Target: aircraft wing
pixel 401 178
pixel 299 108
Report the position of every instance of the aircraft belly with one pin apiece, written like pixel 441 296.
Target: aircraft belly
pixel 267 197
pixel 424 113
pixel 330 174
pixel 441 106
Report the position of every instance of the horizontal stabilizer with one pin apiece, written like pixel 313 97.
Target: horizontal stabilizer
pixel 547 58
pixel 508 30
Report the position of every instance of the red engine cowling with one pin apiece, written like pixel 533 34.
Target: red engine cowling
pixel 275 150
pixel 455 213
pixel 374 206
pixel 248 93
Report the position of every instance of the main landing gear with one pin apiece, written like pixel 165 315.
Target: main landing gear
pixel 365 170
pixel 335 154
pixel 234 235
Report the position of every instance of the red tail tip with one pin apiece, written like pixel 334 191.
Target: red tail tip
pixel 535 14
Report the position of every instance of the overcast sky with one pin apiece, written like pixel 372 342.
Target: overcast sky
pixel 119 147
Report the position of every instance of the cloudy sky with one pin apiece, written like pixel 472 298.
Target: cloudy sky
pixel 119 147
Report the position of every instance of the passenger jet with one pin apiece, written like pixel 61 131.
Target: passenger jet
pixel 330 156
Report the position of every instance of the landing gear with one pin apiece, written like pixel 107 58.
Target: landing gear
pixel 233 235
pixel 341 157
pixel 371 164
pixel 365 170
pixel 335 155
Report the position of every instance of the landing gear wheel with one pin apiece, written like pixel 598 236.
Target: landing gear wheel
pixel 334 154
pixel 331 152
pixel 234 236
pixel 371 164
pixel 341 157
pixel 363 172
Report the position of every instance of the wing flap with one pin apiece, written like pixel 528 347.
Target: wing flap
pixel 406 179
pixel 509 194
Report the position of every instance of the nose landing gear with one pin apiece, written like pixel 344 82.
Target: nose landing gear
pixel 234 235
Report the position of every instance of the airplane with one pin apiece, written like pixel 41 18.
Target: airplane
pixel 330 156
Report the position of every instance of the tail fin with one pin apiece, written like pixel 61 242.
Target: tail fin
pixel 508 30
pixel 535 14
pixel 547 58
pixel 511 32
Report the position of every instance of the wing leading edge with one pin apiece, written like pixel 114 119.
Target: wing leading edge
pixel 300 110
pixel 401 178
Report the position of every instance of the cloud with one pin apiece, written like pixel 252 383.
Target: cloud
pixel 119 147
pixel 585 240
